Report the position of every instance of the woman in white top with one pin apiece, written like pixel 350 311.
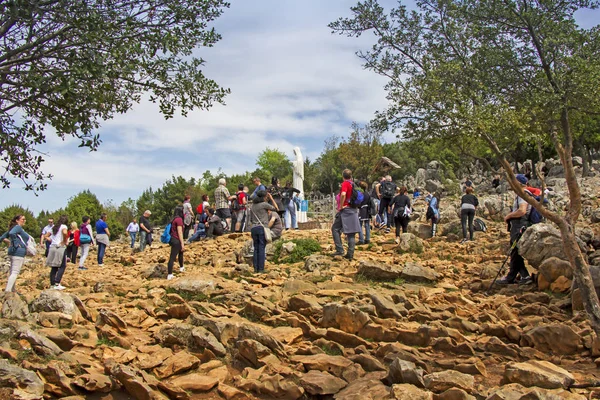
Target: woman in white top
pixel 57 257
pixel 86 239
pixel 133 228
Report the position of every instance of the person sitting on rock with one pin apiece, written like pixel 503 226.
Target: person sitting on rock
pixel 214 226
pixel 517 220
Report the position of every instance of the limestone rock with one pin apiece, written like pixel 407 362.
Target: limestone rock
pixel 317 262
pixel 41 344
pixel 554 267
pixel 176 364
pixel 385 306
pixel 193 284
pixel 134 382
pixel 407 391
pixel 335 365
pixel 413 272
pixel 555 338
pixel 94 383
pixel 321 383
pixel 401 371
pixel 13 307
pixel 364 389
pixel 16 377
pixel 343 317
pixel 202 338
pixel 541 242
pixel 538 373
pixel 441 381
pixel 379 271
pixel 195 382
pixel 55 300
pixel 409 243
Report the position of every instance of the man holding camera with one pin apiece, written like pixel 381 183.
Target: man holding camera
pixel 517 221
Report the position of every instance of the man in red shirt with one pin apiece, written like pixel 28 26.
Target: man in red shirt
pixel 346 220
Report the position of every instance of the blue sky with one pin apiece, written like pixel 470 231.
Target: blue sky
pixel 292 83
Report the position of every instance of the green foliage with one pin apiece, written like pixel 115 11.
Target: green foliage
pixel 163 201
pixel 31 224
pixel 113 221
pixel 272 162
pixel 71 65
pixel 361 151
pixel 304 248
pixel 82 204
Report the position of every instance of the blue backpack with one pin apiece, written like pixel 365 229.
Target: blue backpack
pixel 166 235
pixel 357 197
pixel 534 216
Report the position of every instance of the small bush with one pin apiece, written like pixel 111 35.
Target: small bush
pixel 304 248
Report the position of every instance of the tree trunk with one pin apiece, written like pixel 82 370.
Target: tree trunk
pixel 582 276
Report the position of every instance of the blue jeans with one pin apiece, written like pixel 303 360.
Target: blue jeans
pixel 260 245
pixel 366 236
pixel 200 232
pixel 101 251
pixel 290 210
pixel 132 235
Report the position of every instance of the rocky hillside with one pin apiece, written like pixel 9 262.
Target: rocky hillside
pixel 408 321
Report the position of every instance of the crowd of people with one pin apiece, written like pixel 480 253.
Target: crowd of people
pixel 265 213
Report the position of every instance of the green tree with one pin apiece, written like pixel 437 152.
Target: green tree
pixel 171 194
pixel 82 204
pixel 328 165
pixel 361 151
pixel 490 71
pixel 113 219
pixel 70 65
pixel 127 211
pixel 273 162
pixel 31 224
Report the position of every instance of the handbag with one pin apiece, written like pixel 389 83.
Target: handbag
pixel 30 246
pixel 268 232
pixel 85 239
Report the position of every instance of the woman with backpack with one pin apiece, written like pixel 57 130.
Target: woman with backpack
pixel 259 221
pixel 73 245
pixel 86 239
pixel 400 210
pixel 188 216
pixel 275 195
pixel 16 238
pixel 468 206
pixel 434 214
pixel 57 255
pixel 364 215
pixel 176 242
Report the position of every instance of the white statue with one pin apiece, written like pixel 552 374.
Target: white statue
pixel 298 181
pixel 298 165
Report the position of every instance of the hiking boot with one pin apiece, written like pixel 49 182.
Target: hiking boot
pixel 397 240
pixel 82 268
pixel 336 254
pixel 464 241
pixel 528 280
pixel 504 281
pixel 348 257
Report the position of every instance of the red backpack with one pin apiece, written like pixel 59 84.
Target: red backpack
pixel 199 209
pixel 76 238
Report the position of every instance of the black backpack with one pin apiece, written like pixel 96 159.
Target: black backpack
pixel 235 204
pixel 387 190
pixel 479 225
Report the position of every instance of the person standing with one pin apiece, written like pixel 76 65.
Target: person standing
pixel 289 205
pixel 145 230
pixel 242 199
pixel 400 210
pixel 259 220
pixel 517 220
pixel 188 216
pixel 434 205
pixel 102 237
pixel 86 239
pixel 468 206
pixel 57 255
pixel 275 196
pixel 258 188
pixel 222 198
pixel 346 220
pixel 16 238
pixel 386 191
pixel 43 240
pixel 73 245
pixel 364 215
pixel 176 242
pixel 132 229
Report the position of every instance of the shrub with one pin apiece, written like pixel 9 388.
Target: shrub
pixel 304 248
